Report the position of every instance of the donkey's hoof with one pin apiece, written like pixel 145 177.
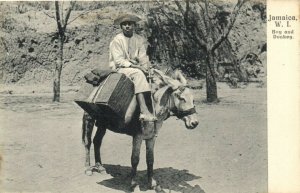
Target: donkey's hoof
pixel 88 172
pixel 152 184
pixel 134 187
pixel 158 189
pixel 99 168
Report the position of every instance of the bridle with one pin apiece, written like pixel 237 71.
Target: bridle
pixel 180 114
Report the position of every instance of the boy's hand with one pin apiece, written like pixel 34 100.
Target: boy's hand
pixel 139 67
pixel 134 62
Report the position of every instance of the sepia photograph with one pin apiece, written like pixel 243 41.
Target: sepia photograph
pixel 136 96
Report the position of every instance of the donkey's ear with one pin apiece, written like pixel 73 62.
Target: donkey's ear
pixel 158 73
pixel 179 76
pixel 162 95
pixel 173 83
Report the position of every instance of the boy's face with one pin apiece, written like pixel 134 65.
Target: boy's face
pixel 128 27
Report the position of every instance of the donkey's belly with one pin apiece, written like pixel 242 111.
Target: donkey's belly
pixel 147 129
pixel 130 126
pixel 125 130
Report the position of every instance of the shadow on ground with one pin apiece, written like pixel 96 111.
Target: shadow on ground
pixel 169 179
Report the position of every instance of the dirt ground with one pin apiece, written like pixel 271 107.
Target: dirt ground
pixel 42 151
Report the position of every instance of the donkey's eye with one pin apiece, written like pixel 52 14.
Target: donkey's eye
pixel 181 98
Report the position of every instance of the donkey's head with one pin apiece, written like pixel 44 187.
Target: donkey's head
pixel 184 107
pixel 177 97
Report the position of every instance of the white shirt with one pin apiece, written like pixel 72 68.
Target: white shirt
pixel 122 49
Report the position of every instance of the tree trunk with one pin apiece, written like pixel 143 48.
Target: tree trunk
pixel 211 84
pixel 58 69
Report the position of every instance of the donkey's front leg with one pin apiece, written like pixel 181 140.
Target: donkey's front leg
pixel 135 158
pixel 150 160
pixel 87 130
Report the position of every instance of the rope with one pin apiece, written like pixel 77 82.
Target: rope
pixel 152 99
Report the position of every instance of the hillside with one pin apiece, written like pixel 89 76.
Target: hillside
pixel 29 46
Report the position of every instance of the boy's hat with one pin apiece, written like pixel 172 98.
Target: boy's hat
pixel 126 17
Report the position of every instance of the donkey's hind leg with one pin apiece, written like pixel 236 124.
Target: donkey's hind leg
pixel 101 130
pixel 87 130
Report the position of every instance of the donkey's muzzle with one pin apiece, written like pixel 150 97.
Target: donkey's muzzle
pixel 190 122
pixel 194 124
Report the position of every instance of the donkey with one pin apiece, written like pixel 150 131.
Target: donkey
pixel 171 97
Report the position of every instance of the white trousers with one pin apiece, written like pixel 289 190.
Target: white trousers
pixel 138 78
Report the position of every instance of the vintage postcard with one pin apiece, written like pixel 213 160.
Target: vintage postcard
pixel 198 96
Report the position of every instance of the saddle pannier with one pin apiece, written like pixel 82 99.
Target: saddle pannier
pixel 110 99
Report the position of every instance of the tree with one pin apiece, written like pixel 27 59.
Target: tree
pixel 62 23
pixel 208 25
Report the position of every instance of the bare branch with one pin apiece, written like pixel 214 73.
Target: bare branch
pixel 179 7
pixel 79 16
pixel 187 32
pixel 203 17
pixel 62 13
pixel 68 14
pixel 51 16
pixel 198 26
pixel 209 24
pixel 194 37
pixel 58 19
pixel 184 13
pixel 227 29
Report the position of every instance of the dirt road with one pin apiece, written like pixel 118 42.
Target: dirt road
pixel 227 153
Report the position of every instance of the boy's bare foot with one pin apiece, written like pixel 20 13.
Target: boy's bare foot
pixel 147 117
